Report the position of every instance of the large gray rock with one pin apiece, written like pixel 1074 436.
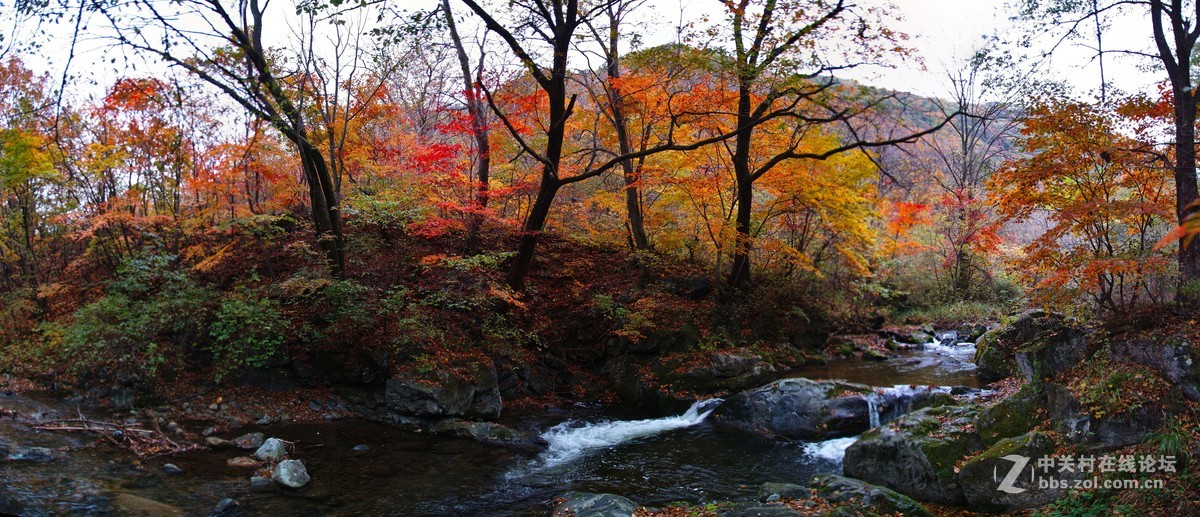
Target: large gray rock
pixel 582 504
pixel 1175 358
pixel 981 476
pixel 291 474
pixel 1099 432
pixel 445 393
pixel 865 497
pixel 816 410
pixel 1036 344
pixel 916 454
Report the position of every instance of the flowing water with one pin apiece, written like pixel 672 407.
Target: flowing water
pixel 591 448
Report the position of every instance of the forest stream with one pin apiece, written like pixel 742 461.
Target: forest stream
pixel 359 467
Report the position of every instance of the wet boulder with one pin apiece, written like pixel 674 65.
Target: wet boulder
pixel 582 504
pixel 804 409
pixel 983 477
pixel 446 393
pixel 865 497
pixel 916 454
pixel 1017 414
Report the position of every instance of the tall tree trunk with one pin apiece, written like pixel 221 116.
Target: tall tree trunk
pixel 739 274
pixel 479 131
pixel 325 212
pixel 1186 191
pixel 633 195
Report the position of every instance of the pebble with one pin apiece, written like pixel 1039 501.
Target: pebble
pixel 265 420
pixel 218 443
pixel 213 407
pixel 172 469
pixel 361 448
pixel 245 462
pixel 259 483
pixel 250 440
pixel 208 431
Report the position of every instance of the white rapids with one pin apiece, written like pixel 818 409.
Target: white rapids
pixel 570 439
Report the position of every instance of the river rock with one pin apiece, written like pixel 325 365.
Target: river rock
pixel 980 476
pixel 1175 358
pixel 249 440
pixel 227 508
pixel 216 442
pixel 243 462
pixel 271 450
pixel 1099 432
pixel 291 474
pixel 583 504
pixel 814 410
pixel 31 455
pixel 444 393
pixel 1017 414
pixel 916 454
pixel 172 469
pixel 776 491
pixel 865 497
pixel 486 432
pixel 259 483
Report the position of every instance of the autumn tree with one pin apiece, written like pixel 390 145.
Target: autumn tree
pixel 1106 202
pixel 476 108
pixel 967 152
pixel 537 32
pixel 1173 28
pixel 222 44
pixel 781 68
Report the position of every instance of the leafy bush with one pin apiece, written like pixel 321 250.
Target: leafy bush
pixel 247 331
pixel 150 313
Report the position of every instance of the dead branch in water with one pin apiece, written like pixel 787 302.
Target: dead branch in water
pixel 146 443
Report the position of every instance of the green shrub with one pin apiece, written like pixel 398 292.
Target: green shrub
pixel 149 315
pixel 247 331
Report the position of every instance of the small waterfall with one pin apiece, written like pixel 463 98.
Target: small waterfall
pixel 873 409
pixel 830 450
pixel 572 439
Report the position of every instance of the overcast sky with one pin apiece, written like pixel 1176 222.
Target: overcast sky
pixel 944 33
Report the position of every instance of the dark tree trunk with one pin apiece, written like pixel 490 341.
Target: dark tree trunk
pixel 739 274
pixel 532 230
pixel 325 212
pixel 1186 192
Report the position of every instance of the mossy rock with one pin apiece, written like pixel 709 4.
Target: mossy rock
pixel 992 363
pixel 865 498
pixel 874 355
pixel 916 454
pixel 1013 416
pixel 984 492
